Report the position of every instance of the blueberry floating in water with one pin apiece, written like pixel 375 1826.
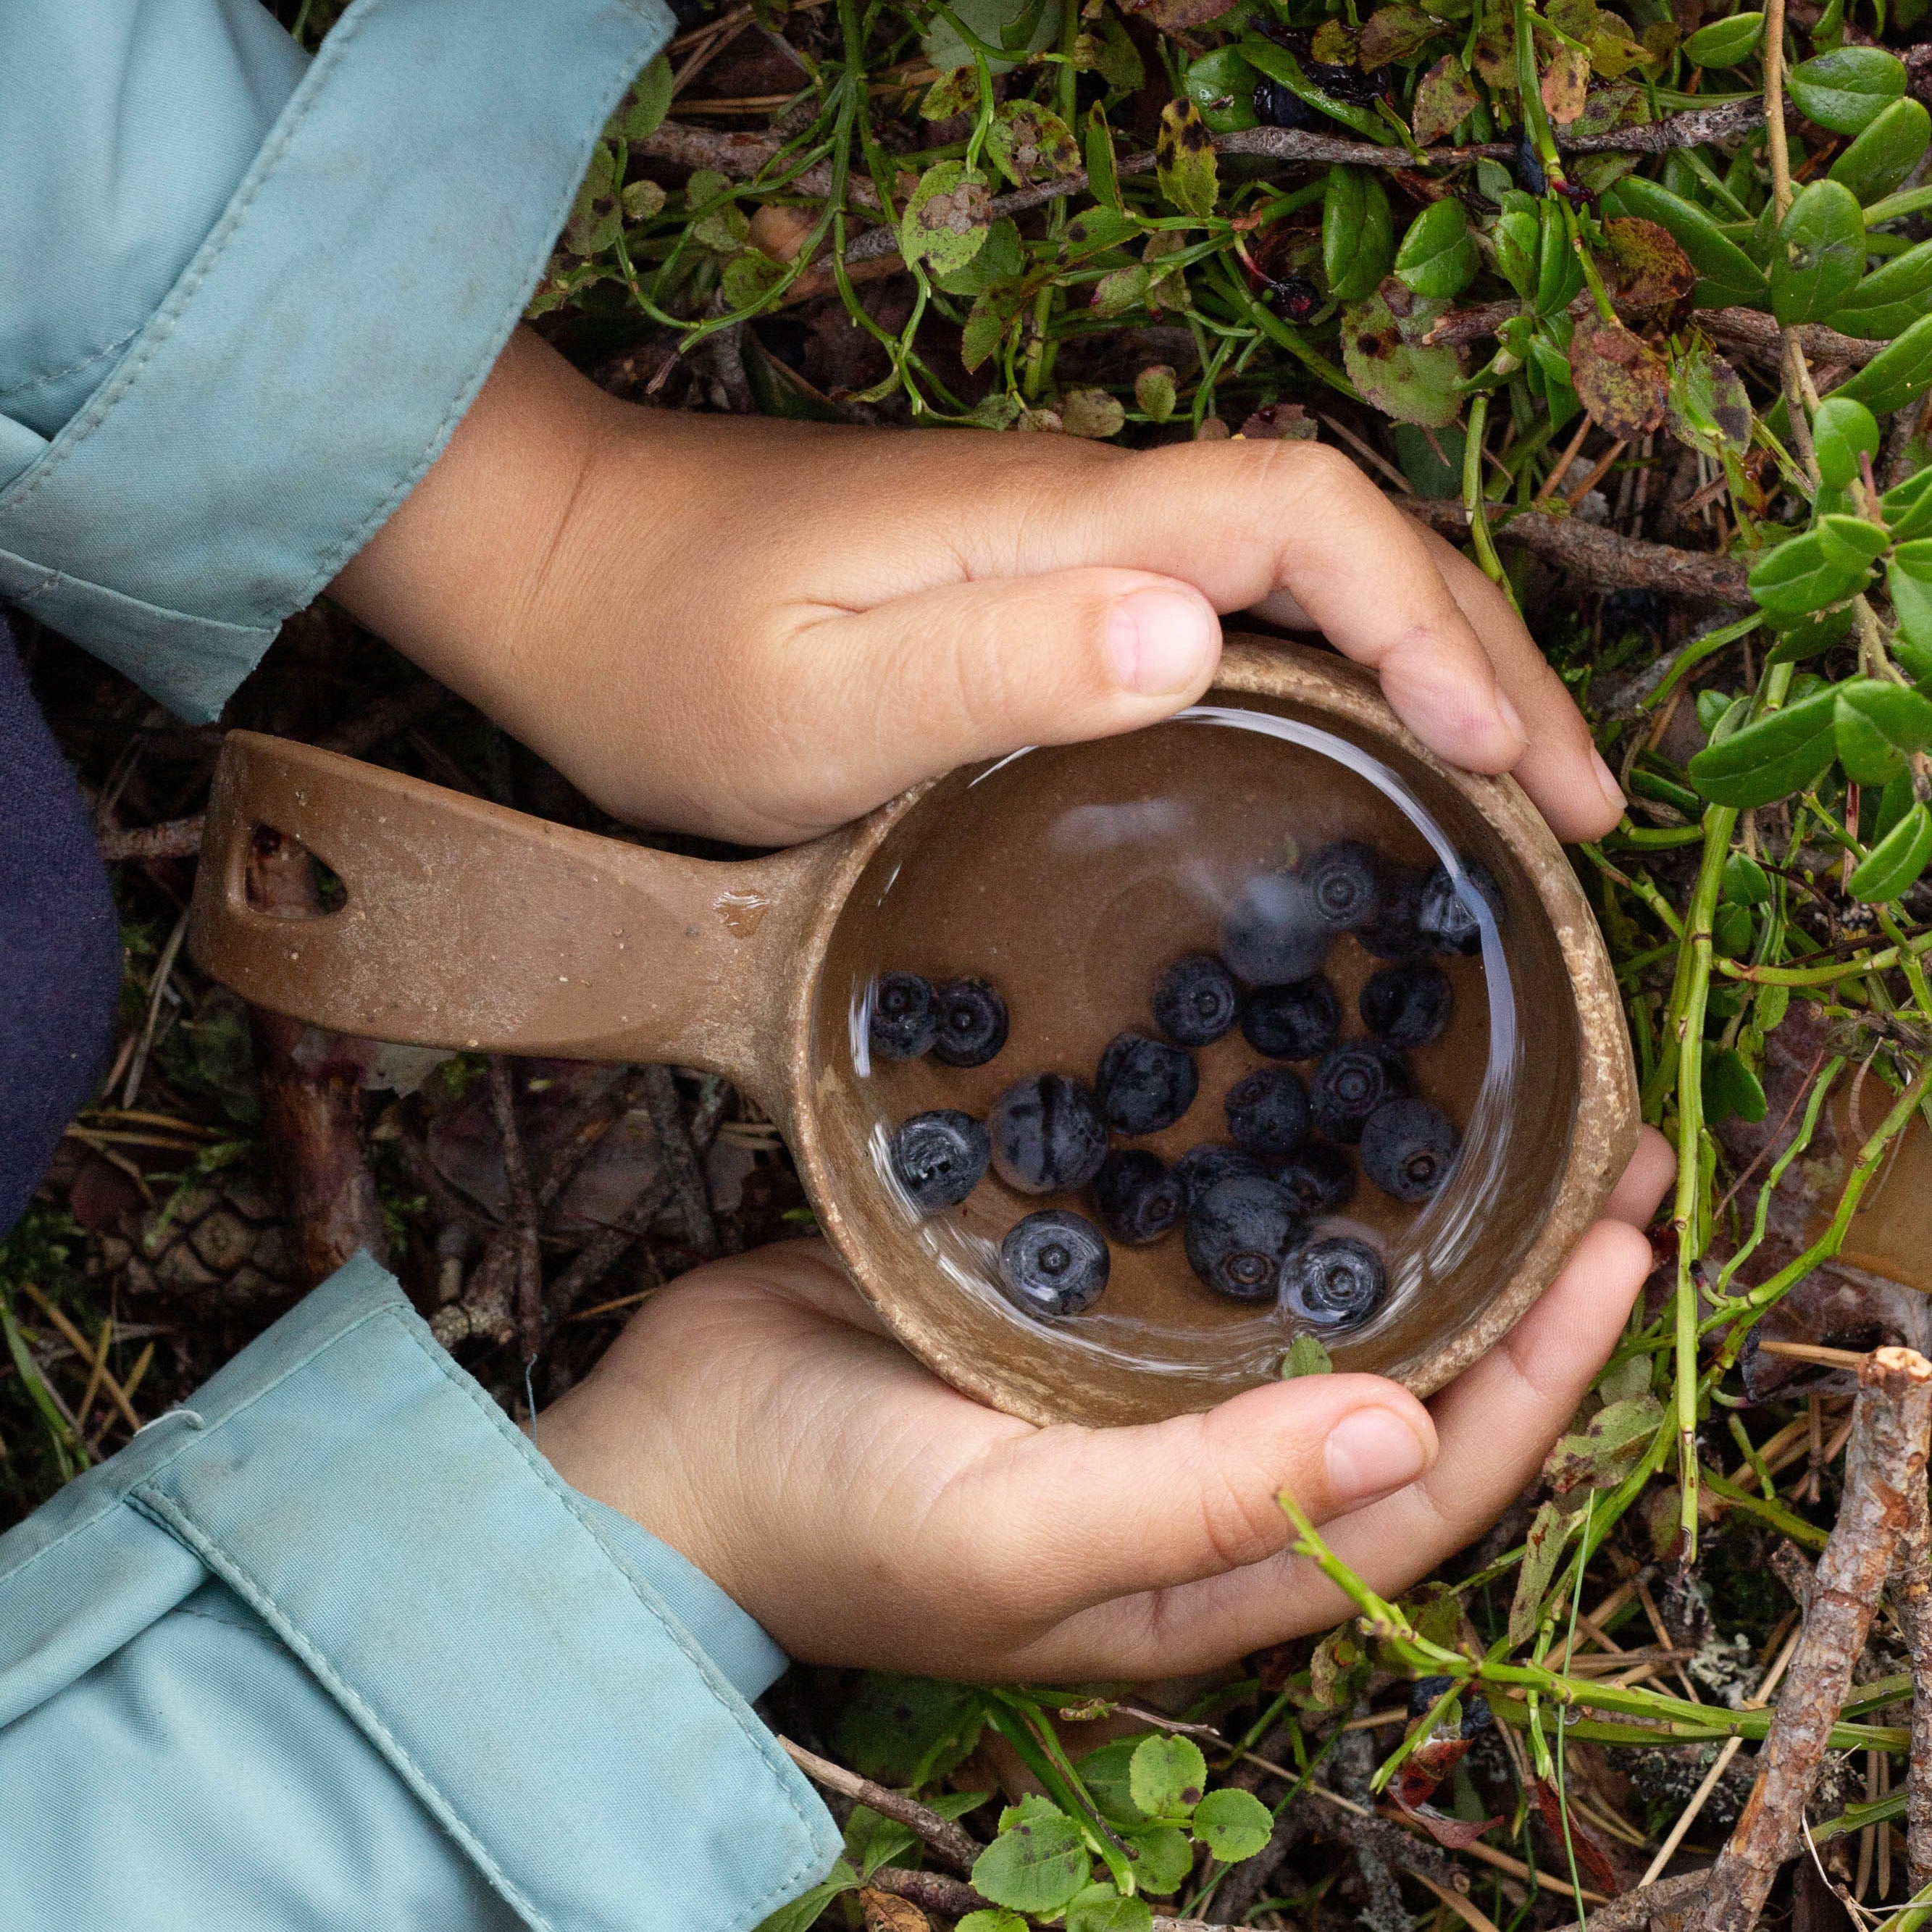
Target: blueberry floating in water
pixel 1335 1282
pixel 1145 1085
pixel 1054 1262
pixel 1407 1149
pixel 1344 881
pixel 1301 1020
pixel 1213 1161
pixel 1351 1083
pixel 1048 1134
pixel 1140 1200
pixel 1443 916
pixel 1273 932
pixel 1195 1000
pixel 1392 933
pixel 1268 1111
pixel 939 1157
pixel 972 1022
pixel 1407 1005
pixel 905 1020
pixel 1320 1177
pixel 1237 1234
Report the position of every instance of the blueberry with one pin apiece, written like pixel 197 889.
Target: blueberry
pixel 1268 1111
pixel 1275 107
pixel 1443 917
pixel 1048 1134
pixel 904 1020
pixel 1140 1200
pixel 1299 1022
pixel 1145 1085
pixel 1273 934
pixel 971 1022
pixel 1213 1161
pixel 1350 1085
pixel 1344 882
pixel 939 1157
pixel 1238 1234
pixel 1054 1262
pixel 1407 1005
pixel 1392 933
pixel 1335 1282
pixel 1423 1693
pixel 1407 1149
pixel 1322 1177
pixel 1194 1000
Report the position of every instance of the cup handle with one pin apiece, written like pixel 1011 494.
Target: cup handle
pixel 468 925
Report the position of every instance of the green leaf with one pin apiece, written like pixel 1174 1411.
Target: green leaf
pixel 1894 802
pixel 1896 861
pixel 1879 726
pixel 1882 158
pixel 1797 577
pixel 748 278
pixel 1846 90
pixel 1726 274
pixel 1543 1547
pixel 1444 96
pixel 1518 235
pixel 1391 369
pixel 1119 289
pixel 908 1730
pixel 1166 1857
pixel 1908 582
pixel 1559 274
pixel 999 1920
pixel 1891 298
pixel 1819 254
pixel 994 22
pixel 1153 390
pixel 1357 232
pixel 1117 60
pixel 985 328
pixel 1843 432
pixel 1899 374
pixel 1437 257
pixel 1908 508
pixel 957 92
pixel 1102 176
pixel 1222 84
pixel 1092 413
pixel 1781 753
pixel 1744 881
pixel 1725 43
pixel 641 112
pixel 803 1910
pixel 1731 930
pixel 1731 1089
pixel 1028 143
pixel 1100 1908
pixel 1233 1825
pixel 1709 408
pixel 1037 1863
pixel 1807 636
pixel 1167 1775
pixel 946 222
pixel 1849 543
pixel 1184 157
pixel 1306 1357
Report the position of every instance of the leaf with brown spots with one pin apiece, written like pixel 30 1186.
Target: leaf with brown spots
pixel 1710 408
pixel 1028 143
pixel 1649 272
pixel 1444 96
pixel 945 221
pixel 1620 380
pixel 886 1912
pixel 1381 350
pixel 1281 422
pixel 1566 83
pixel 1423 1769
pixel 1176 17
pixel 1092 413
pixel 1184 156
pixel 1336 44
pixel 1395 33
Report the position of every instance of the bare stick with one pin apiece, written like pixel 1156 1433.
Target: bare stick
pixel 1912 1598
pixel 522 1209
pixel 952 1843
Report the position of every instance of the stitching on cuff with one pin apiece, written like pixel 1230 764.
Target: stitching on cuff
pixel 34 381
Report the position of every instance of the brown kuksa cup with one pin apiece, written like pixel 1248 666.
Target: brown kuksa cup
pixel 468 925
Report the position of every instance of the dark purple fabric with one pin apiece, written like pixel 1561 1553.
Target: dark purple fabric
pixel 60 944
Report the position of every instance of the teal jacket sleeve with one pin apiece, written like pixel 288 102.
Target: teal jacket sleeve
pixel 333 1646
pixel 245 298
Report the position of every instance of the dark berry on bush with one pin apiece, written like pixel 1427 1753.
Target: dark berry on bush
pixel 1443 916
pixel 1322 1177
pixel 905 1020
pixel 972 1022
pixel 1350 1085
pixel 1139 1200
pixel 1048 1134
pixel 1272 933
pixel 1275 107
pixel 1407 1005
pixel 1268 1111
pixel 1210 1163
pixel 1407 1149
pixel 1296 296
pixel 1335 1282
pixel 939 1157
pixel 1344 881
pixel 1301 1020
pixel 1194 1001
pixel 1054 1262
pixel 1426 1692
pixel 1530 176
pixel 1145 1085
pixel 1392 934
pixel 1238 1234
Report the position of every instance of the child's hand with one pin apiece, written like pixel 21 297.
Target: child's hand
pixel 755 1416
pixel 761 629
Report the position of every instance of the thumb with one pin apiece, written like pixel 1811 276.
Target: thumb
pixel 1106 1513
pixel 974 669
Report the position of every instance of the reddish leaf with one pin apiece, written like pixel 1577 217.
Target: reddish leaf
pixel 1649 271
pixel 1281 422
pixel 1424 1769
pixel 1175 16
pixel 1454 1834
pixel 1593 1864
pixel 1620 380
pixel 1566 82
pixel 1444 96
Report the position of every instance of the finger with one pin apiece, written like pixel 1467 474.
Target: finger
pixel 1092 1514
pixel 1495 1423
pixel 1637 1195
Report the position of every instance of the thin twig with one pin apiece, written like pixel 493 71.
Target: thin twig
pixel 522 1209
pixel 1911 1599
pixel 953 1843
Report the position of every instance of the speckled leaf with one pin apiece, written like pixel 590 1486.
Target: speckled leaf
pixel 1038 1862
pixel 945 221
pixel 1119 290
pixel 1153 390
pixel 1184 154
pixel 957 92
pixel 1602 1453
pixel 1394 34
pixel 1028 143
pixel 1649 272
pixel 1542 1547
pixel 1091 413
pixel 645 103
pixel 1233 1824
pixel 1392 371
pixel 1709 408
pixel 1167 1775
pixel 1620 380
pixel 596 216
pixel 1444 96
pixel 1566 82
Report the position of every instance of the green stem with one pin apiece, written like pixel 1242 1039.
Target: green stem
pixel 1474 501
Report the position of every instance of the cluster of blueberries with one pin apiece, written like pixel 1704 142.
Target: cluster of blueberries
pixel 1244 1206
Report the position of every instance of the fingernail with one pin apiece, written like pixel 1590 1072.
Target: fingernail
pixel 1607 779
pixel 1162 641
pixel 1371 1453
pixel 1512 717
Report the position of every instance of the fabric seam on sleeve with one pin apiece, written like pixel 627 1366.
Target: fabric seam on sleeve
pixel 34 381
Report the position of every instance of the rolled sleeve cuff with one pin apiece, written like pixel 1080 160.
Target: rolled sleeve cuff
pixel 312 360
